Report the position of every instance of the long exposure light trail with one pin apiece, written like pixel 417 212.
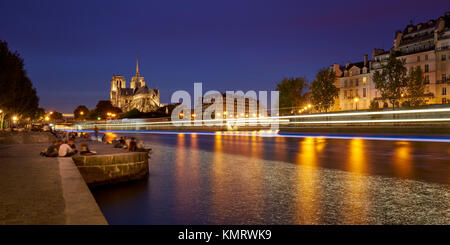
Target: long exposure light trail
pixel 375 121
pixel 272 134
pixel 283 120
pixel 370 113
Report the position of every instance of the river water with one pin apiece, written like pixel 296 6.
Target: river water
pixel 247 179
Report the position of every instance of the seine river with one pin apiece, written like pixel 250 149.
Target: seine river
pixel 247 179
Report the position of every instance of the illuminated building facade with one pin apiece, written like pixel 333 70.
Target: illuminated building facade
pixel 138 96
pixel 425 45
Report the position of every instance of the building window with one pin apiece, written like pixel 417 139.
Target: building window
pixel 351 83
pixel 427 79
pixel 426 57
pixel 444 78
pixel 345 83
pixel 364 80
pixel 444 100
pixel 443 57
pixel 356 82
pixel 444 91
pixel 364 92
pixel 426 68
pixel 418 58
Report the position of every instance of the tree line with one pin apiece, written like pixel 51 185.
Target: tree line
pixel 18 97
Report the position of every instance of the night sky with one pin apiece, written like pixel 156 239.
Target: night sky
pixel 72 48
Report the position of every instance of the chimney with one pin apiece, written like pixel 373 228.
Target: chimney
pixel 366 58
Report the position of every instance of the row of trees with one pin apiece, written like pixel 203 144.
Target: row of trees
pixel 393 82
pixel 103 109
pixel 396 84
pixel 18 97
pixel 296 93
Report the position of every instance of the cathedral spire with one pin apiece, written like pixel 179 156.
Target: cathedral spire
pixel 137 67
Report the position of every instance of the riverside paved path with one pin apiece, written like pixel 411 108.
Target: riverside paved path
pixel 40 190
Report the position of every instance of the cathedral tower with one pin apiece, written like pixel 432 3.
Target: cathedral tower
pixel 137 81
pixel 117 83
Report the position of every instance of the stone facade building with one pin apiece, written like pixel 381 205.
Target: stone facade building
pixel 425 45
pixel 138 96
pixel 356 88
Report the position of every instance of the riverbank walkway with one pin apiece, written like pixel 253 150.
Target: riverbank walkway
pixel 38 190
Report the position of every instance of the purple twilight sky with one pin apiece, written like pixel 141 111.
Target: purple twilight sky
pixel 72 48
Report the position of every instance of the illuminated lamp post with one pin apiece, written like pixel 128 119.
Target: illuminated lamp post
pixel 356 99
pixel 2 117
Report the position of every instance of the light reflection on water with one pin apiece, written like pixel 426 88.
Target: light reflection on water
pixel 246 179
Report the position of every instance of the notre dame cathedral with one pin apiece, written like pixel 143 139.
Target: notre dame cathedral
pixel 138 96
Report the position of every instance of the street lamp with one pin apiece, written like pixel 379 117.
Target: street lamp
pixel 2 117
pixel 81 113
pixel 356 99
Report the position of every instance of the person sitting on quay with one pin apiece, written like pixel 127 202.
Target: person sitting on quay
pixel 72 136
pixel 65 150
pixel 73 146
pixel 140 146
pixel 84 150
pixel 52 150
pixel 132 146
pixel 119 143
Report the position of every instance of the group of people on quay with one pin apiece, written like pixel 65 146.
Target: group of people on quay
pixel 129 144
pixel 65 145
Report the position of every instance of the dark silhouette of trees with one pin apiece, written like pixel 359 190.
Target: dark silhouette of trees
pixel 57 116
pixel 292 93
pixel 81 112
pixel 323 91
pixel 17 95
pixel 102 108
pixel 135 113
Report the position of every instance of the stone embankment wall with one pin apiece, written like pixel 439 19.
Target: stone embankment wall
pixel 9 138
pixel 108 169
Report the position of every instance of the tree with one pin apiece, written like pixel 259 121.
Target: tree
pixel 57 116
pixel 38 114
pixel 374 106
pixel 323 91
pixel 292 93
pixel 135 113
pixel 17 95
pixel 391 80
pixel 103 107
pixel 80 112
pixel 415 88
